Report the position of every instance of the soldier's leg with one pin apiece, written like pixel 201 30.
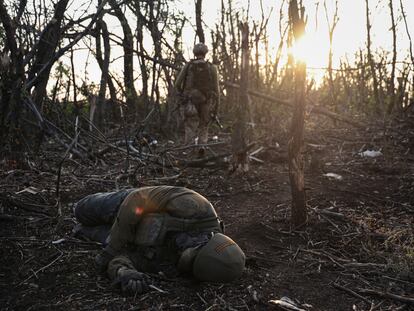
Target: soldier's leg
pixel 190 121
pixel 204 120
pixel 189 130
pixel 96 214
pixel 100 208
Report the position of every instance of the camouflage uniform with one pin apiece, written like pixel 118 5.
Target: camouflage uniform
pixel 195 103
pixel 152 228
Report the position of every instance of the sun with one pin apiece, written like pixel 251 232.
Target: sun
pixel 312 49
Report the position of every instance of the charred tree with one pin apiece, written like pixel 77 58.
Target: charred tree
pixel 11 83
pixel 199 25
pixel 295 145
pixel 239 140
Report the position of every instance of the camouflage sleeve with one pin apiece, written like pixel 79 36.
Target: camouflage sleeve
pixel 118 263
pixel 129 215
pixel 179 82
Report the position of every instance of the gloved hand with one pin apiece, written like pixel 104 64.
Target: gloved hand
pixel 131 281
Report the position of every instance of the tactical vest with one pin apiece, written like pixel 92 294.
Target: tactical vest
pixel 201 77
pixel 154 227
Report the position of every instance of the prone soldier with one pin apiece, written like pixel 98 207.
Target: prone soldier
pixel 166 229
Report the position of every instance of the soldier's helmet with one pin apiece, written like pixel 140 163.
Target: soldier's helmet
pixel 220 260
pixel 200 49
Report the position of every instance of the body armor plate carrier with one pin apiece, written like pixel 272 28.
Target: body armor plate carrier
pixel 201 77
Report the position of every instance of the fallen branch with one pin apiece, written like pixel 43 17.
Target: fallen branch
pixel 192 146
pixel 41 269
pixel 253 158
pixel 49 128
pixel 331 257
pixel 27 206
pixel 312 107
pixel 165 178
pixel 386 295
pixel 351 292
pixel 330 213
pixel 365 265
pixel 201 162
pixel 157 289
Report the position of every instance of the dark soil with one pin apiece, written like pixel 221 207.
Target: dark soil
pixel 364 241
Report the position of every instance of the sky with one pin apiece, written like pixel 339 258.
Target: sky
pixel 349 36
pixel 350 33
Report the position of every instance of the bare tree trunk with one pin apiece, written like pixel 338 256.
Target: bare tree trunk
pixel 72 64
pixel 222 38
pixel 274 77
pixel 214 48
pixel 362 83
pixel 331 29
pixel 295 145
pixel 347 89
pixel 408 32
pixel 156 35
pixel 239 144
pixel 391 84
pixel 233 42
pixel 128 46
pixel 46 47
pixel 99 33
pixel 256 55
pixel 11 83
pixel 199 25
pixel 142 60
pixel 105 71
pixel 378 102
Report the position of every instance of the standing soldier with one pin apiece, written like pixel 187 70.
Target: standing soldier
pixel 198 85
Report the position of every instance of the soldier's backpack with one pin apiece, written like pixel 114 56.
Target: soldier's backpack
pixel 201 77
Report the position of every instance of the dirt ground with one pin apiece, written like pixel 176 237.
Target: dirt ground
pixel 355 251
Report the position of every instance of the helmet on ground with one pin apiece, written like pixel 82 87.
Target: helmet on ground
pixel 200 49
pixel 220 260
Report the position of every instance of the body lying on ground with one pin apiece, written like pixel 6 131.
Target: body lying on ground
pixel 172 230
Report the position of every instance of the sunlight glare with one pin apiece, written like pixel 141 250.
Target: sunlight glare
pixel 299 49
pixel 311 49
